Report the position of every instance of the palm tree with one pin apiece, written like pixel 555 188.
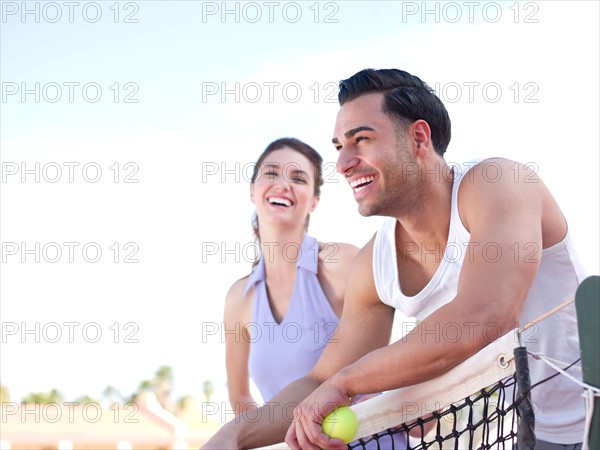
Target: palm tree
pixel 208 389
pixel 85 399
pixel 55 396
pixel 43 397
pixel 4 396
pixel 183 404
pixel 145 386
pixel 163 384
pixel 111 394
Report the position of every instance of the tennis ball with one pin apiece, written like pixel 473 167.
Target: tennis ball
pixel 341 423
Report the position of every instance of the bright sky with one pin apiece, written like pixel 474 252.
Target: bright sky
pixel 141 121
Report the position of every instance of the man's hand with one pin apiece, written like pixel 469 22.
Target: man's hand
pixel 305 432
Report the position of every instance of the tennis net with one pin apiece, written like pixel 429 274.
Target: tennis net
pixel 476 405
pixel 482 403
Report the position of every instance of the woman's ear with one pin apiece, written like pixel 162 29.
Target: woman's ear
pixel 315 202
pixel 252 192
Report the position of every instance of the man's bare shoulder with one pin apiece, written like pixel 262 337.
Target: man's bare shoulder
pixel 361 271
pixel 500 185
pixel 365 254
pixel 496 173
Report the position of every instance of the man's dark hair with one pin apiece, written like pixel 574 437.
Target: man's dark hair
pixel 406 98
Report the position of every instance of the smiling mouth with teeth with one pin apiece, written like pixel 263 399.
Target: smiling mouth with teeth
pixel 279 201
pixel 361 183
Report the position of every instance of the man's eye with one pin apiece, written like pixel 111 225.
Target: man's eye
pixel 360 138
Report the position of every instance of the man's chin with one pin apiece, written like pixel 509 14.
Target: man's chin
pixel 375 210
pixel 366 211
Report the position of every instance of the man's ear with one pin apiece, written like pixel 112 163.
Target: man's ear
pixel 420 135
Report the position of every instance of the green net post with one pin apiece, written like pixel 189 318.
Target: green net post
pixel 587 303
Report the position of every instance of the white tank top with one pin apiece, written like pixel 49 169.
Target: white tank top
pixel 559 407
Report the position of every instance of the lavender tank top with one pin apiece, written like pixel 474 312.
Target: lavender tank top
pixel 284 352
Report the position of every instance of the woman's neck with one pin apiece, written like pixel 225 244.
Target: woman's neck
pixel 280 248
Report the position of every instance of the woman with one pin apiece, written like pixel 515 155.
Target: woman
pixel 289 306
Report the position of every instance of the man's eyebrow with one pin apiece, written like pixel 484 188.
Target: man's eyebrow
pixel 348 134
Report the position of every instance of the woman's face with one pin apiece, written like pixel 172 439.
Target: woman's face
pixel 283 191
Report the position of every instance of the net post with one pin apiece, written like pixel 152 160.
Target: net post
pixel 525 431
pixel 587 304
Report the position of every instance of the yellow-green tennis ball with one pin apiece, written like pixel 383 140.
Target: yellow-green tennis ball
pixel 341 423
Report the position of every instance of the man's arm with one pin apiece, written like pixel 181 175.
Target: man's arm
pixel 492 288
pixel 365 325
pixel 366 322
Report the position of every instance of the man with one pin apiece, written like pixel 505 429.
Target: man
pixel 470 245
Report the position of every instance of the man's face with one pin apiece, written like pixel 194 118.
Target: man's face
pixel 375 156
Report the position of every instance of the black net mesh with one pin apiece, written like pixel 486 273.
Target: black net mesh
pixel 485 420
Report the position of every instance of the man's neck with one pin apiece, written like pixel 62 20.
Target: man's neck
pixel 429 222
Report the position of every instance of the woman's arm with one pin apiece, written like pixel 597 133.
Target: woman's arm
pixel 237 347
